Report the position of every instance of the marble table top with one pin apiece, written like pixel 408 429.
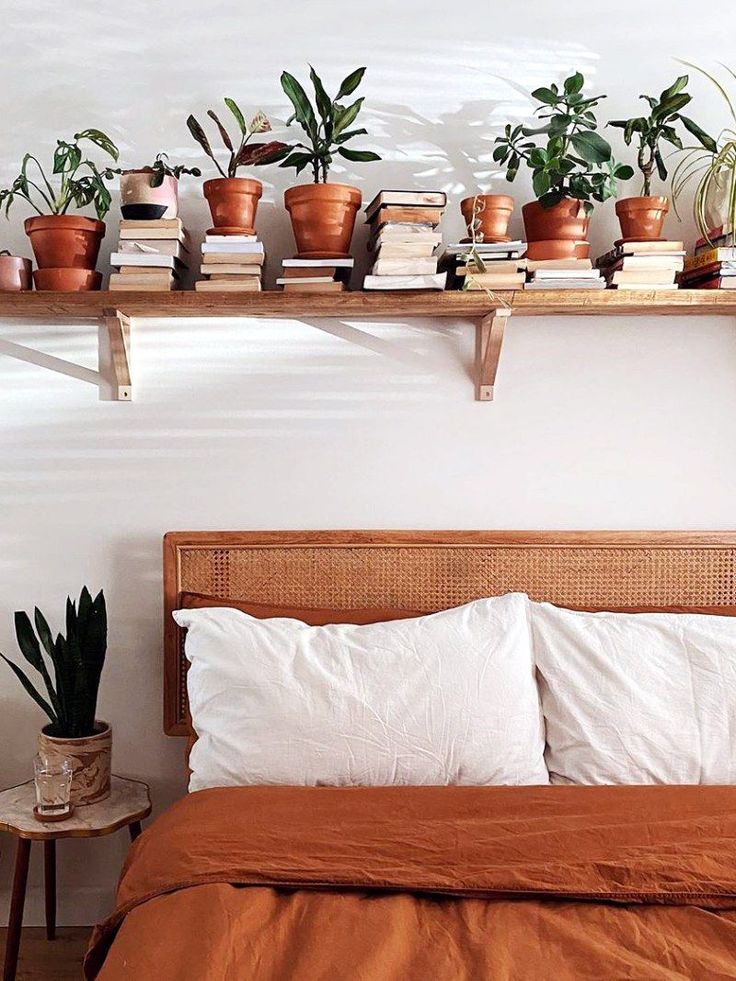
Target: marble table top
pixel 129 801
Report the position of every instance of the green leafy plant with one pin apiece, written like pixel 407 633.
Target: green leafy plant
pixel 660 125
pixel 713 168
pixel 326 125
pixel 161 168
pixel 567 156
pixel 76 660
pixel 242 152
pixel 80 180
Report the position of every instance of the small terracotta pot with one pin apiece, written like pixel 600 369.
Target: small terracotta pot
pixel 323 218
pixel 233 204
pixel 642 219
pixel 140 201
pixel 67 280
pixel 65 241
pixel 15 273
pixel 565 220
pixel 90 758
pixel 494 217
pixel 558 248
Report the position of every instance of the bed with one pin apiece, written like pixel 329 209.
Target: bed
pixel 455 882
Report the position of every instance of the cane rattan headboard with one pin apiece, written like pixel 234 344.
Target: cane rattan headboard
pixel 428 570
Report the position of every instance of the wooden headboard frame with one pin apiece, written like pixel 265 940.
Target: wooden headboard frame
pixel 432 570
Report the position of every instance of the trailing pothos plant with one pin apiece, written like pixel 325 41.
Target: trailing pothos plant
pixel 76 660
pixel 567 156
pixel 326 125
pixel 242 152
pixel 79 180
pixel 161 168
pixel 660 126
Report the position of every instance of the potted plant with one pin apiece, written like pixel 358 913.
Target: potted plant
pixel 15 272
pixel 77 659
pixel 234 200
pixel 65 246
pixel 572 166
pixel 714 168
pixel 152 192
pixel 489 215
pixel 323 214
pixel 642 217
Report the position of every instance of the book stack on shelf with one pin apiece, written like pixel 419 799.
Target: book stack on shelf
pixel 231 263
pixel 151 255
pixel 643 265
pixel 501 267
pixel 563 274
pixel 315 275
pixel 713 267
pixel 403 240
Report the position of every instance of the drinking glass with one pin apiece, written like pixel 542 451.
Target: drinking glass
pixel 53 779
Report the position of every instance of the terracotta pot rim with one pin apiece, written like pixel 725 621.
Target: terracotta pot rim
pixel 82 222
pixel 485 197
pixel 644 202
pixel 344 192
pixel 534 205
pixel 105 729
pixel 248 184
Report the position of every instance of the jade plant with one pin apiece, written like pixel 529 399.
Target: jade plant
pixel 326 125
pixel 76 659
pixel 79 179
pixel 661 126
pixel 567 156
pixel 242 153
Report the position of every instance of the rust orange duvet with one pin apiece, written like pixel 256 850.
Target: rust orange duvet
pixel 429 884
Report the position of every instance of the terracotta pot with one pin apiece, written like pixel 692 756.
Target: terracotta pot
pixel 65 241
pixel 641 219
pixel 565 220
pixel 558 248
pixel 494 218
pixel 233 203
pixel 67 280
pixel 323 218
pixel 90 758
pixel 15 273
pixel 140 201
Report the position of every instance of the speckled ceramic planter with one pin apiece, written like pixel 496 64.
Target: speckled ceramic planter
pixel 90 758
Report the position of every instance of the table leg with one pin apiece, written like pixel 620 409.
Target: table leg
pixel 135 829
pixel 49 882
pixel 17 902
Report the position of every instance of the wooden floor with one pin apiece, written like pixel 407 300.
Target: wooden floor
pixel 55 960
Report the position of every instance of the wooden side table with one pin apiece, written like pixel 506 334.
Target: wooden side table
pixel 128 804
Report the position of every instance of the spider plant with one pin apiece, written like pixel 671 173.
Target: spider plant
pixel 710 168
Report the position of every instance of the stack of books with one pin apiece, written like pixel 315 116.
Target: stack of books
pixel 231 263
pixel 563 274
pixel 315 275
pixel 642 265
pixel 151 255
pixel 403 240
pixel 713 267
pixel 503 266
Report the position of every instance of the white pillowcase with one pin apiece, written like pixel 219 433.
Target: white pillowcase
pixel 448 698
pixel 637 697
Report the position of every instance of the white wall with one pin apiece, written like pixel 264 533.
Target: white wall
pixel 247 424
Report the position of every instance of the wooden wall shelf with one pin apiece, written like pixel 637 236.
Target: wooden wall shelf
pixel 112 313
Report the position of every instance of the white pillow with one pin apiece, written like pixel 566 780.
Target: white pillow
pixel 449 698
pixel 637 697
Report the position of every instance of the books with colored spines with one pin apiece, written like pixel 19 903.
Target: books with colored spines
pixel 563 274
pixel 643 265
pixel 718 238
pixel 403 240
pixel 151 255
pixel 231 263
pixel 711 270
pixel 315 275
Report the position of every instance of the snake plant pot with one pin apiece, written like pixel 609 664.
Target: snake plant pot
pixel 642 218
pixel 15 273
pixel 65 241
pixel 141 201
pixel 493 217
pixel 323 218
pixel 90 758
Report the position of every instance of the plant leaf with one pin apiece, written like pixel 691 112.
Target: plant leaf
pixel 239 117
pixel 100 139
pixel 200 136
pixel 260 123
pixel 259 154
pixel 700 135
pixel 574 84
pixel 359 156
pixel 350 83
pixel 324 102
pixel 344 117
pixel 591 147
pixel 303 111
pixel 27 684
pixel 225 136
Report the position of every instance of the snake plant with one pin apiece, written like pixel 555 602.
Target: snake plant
pixel 76 660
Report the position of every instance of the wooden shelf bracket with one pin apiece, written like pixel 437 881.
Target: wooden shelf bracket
pixel 114 357
pixel 488 343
